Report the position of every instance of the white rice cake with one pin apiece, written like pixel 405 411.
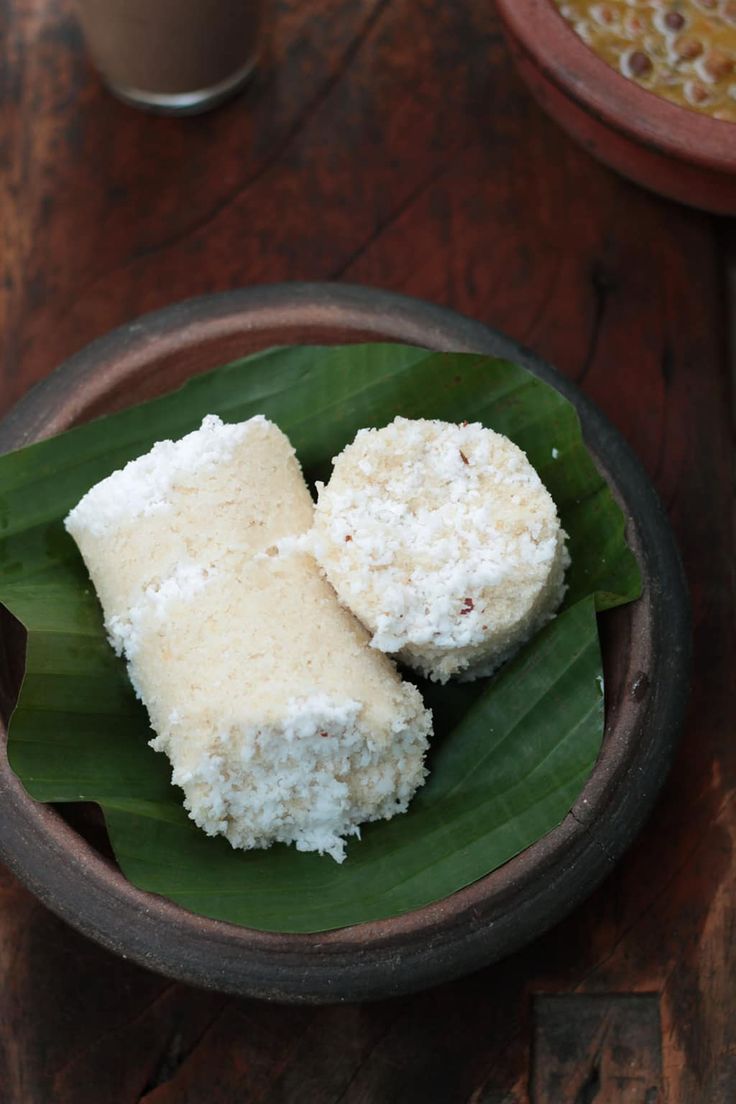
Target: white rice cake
pixel 443 541
pixel 280 722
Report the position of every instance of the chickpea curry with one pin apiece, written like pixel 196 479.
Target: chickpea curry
pixel 684 50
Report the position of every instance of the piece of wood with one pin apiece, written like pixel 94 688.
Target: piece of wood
pixel 389 142
pixel 604 1048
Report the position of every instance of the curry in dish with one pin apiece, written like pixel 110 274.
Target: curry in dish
pixel 683 50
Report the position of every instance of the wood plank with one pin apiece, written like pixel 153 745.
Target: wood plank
pixel 604 1048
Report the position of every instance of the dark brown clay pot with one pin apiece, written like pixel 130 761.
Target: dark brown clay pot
pixel 645 645
pixel 672 150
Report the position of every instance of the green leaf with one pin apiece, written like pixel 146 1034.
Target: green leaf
pixel 510 754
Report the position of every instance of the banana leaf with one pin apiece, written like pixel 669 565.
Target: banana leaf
pixel 510 754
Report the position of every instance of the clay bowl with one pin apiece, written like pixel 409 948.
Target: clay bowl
pixel 646 646
pixel 672 150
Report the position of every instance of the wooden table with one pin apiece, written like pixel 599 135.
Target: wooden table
pixel 388 142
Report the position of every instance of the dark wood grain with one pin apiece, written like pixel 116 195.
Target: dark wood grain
pixel 388 142
pixel 605 1048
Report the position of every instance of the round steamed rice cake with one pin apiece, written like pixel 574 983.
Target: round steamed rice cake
pixel 443 540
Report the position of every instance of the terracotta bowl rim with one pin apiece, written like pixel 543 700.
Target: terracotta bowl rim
pixel 492 916
pixel 597 88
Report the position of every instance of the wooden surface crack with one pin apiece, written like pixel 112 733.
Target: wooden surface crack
pixel 602 286
pixel 395 215
pixel 652 902
pixel 174 1056
pixel 366 1058
pixel 227 201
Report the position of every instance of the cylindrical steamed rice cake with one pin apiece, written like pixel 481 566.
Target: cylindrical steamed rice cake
pixel 281 723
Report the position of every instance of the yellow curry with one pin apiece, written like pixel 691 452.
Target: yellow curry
pixel 684 50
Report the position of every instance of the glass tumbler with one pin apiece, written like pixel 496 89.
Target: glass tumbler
pixel 173 56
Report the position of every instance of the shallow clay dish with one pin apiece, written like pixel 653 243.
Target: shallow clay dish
pixel 672 150
pixel 645 645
